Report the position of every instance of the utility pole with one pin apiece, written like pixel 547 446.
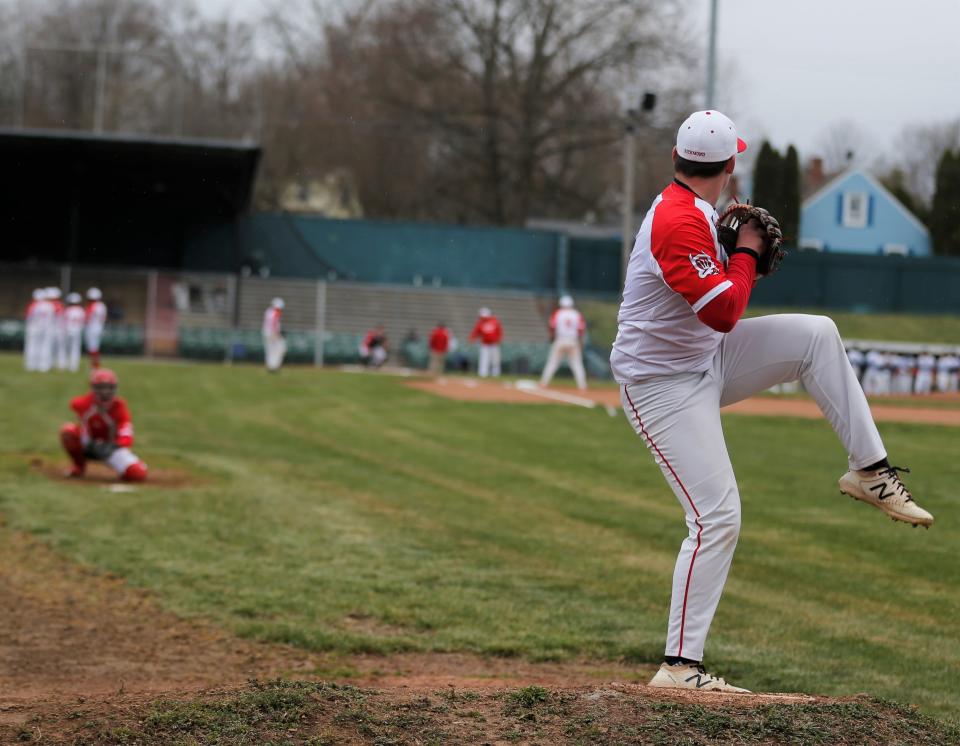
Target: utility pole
pixel 101 89
pixel 647 104
pixel 712 56
pixel 629 175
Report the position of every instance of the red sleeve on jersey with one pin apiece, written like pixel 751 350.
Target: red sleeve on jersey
pixel 553 319
pixel 684 248
pixel 723 312
pixel 121 416
pixel 581 325
pixel 80 404
pixel 476 330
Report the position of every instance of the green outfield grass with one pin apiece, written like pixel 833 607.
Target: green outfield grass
pixel 889 327
pixel 346 512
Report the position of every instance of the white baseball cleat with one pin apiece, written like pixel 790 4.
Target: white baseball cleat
pixel 691 676
pixel 883 489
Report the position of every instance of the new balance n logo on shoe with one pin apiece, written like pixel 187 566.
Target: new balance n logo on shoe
pixel 700 681
pixel 879 489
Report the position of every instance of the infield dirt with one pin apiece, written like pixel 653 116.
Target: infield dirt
pixel 468 389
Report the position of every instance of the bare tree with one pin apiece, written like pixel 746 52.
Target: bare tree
pixel 920 148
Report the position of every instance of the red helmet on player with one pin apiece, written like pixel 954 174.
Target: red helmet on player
pixel 103 382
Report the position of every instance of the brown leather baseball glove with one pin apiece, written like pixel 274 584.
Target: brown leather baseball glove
pixel 728 230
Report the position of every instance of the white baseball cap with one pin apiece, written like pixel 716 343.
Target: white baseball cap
pixel 94 294
pixel 566 301
pixel 74 298
pixel 277 303
pixel 708 137
pixel 484 312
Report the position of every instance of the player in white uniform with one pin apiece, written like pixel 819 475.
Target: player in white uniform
pixel 926 363
pixel 31 331
pixel 74 319
pixel 96 320
pixel 903 373
pixel 567 327
pixel 948 367
pixel 875 378
pixel 682 352
pixel 274 344
pixel 856 359
pixel 42 322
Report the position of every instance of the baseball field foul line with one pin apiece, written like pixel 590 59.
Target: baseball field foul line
pixel 529 387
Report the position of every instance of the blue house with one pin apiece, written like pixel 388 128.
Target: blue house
pixel 855 213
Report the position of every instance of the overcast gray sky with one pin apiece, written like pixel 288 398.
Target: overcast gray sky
pixel 791 70
pixel 798 67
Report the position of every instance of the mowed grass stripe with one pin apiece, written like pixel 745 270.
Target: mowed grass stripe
pixel 541 531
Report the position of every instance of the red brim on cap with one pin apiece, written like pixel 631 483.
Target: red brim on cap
pixel 741 145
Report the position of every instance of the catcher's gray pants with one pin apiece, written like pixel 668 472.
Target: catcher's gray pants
pixel 678 417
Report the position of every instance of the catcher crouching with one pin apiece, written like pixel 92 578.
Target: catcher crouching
pixel 104 431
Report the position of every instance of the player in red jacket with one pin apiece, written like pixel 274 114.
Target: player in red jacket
pixel 439 346
pixel 490 333
pixel 105 431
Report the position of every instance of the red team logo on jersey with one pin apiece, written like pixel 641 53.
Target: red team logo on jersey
pixel 704 264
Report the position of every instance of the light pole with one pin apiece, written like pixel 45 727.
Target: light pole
pixel 712 56
pixel 647 103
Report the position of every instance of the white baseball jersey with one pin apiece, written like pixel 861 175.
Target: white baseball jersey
pixel 96 315
pixel 672 274
pixel 74 317
pixel 567 325
pixel 271 321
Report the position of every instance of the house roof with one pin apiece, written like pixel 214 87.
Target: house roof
pixel 831 185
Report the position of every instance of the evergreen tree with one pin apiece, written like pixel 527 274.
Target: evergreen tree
pixel 790 217
pixel 945 213
pixel 896 183
pixel 768 179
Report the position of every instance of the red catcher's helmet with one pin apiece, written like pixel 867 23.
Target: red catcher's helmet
pixel 103 382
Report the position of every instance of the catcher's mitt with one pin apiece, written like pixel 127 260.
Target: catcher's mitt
pixel 728 230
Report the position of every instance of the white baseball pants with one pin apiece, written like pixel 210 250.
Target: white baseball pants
pixel 678 417
pixel 569 351
pixel 274 350
pixel 71 348
pixel 92 336
pixel 488 362
pixel 923 383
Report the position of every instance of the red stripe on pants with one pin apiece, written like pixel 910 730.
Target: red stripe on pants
pixel 686 590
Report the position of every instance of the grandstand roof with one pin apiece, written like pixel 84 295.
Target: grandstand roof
pixel 117 198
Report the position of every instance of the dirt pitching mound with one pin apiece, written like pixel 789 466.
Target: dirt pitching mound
pixel 86 659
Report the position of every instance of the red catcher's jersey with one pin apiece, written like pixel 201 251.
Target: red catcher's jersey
pixel 488 330
pixel 112 425
pixel 676 268
pixel 440 339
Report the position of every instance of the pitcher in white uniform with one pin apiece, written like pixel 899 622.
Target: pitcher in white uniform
pixel 567 327
pixel 682 352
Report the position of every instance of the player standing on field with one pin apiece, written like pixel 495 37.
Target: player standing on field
pixel 566 328
pixel 74 319
pixel 96 319
pixel 274 344
pixel 682 352
pixel 490 333
pixel 439 345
